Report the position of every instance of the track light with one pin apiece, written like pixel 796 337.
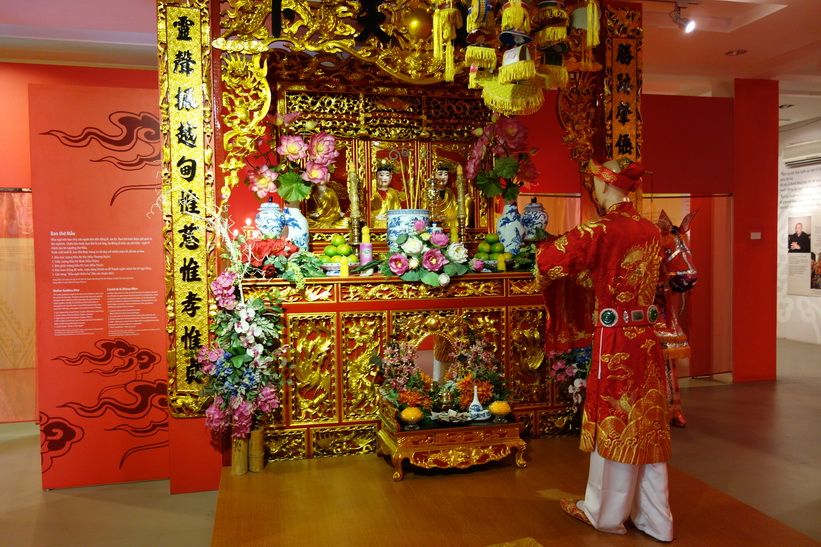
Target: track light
pixel 687 25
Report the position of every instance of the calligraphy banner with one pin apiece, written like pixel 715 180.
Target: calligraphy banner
pixel 99 273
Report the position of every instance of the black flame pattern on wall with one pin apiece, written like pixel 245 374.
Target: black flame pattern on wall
pixel 131 131
pixel 139 405
pixel 57 436
pixel 115 356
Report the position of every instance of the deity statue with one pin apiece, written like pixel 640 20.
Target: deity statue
pixel 385 198
pixel 324 210
pixel 441 201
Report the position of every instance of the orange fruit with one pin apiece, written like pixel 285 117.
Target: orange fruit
pixel 480 256
pixel 497 247
pixel 484 247
pixel 330 250
pixel 344 249
pixel 337 240
pixel 492 238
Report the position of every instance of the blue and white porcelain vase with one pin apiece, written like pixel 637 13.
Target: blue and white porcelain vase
pixel 297 225
pixel 400 221
pixel 270 219
pixel 533 218
pixel 509 227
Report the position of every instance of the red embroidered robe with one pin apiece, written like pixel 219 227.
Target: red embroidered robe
pixel 625 410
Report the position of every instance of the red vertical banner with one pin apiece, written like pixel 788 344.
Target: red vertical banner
pixel 100 277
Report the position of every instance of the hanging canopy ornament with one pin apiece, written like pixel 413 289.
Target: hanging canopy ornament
pixel 514 99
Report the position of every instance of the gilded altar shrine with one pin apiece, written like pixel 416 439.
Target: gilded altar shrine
pixel 334 326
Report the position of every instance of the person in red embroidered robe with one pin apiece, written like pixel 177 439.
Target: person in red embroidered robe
pixel 624 422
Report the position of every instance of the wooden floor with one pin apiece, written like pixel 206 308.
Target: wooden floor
pixel 352 501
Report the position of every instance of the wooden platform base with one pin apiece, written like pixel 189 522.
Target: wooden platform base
pixel 353 501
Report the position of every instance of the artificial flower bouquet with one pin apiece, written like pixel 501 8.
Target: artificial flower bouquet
pixel 570 371
pixel 244 368
pixel 275 257
pixel 403 382
pixel 405 385
pixel 474 364
pixel 429 257
pixel 506 139
pixel 293 166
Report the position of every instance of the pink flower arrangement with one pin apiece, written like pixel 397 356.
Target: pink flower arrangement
pixel 301 162
pixel 243 369
pixel 506 139
pixel 431 258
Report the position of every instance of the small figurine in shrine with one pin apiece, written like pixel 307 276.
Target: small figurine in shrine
pixel 324 210
pixel 624 423
pixel 440 199
pixel 386 198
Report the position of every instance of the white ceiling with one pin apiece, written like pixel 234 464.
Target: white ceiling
pixel 781 39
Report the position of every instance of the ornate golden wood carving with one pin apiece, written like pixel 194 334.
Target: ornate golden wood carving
pixel 312 396
pixel 287 444
pixel 344 440
pixel 363 335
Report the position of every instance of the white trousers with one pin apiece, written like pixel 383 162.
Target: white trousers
pixel 616 491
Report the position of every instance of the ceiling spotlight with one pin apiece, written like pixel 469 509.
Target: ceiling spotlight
pixel 687 25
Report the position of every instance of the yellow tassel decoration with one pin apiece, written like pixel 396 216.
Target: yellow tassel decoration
pixel 593 25
pixel 479 78
pixel 550 35
pixel 445 23
pixel 516 16
pixel 517 72
pixel 481 56
pixel 554 75
pixel 514 99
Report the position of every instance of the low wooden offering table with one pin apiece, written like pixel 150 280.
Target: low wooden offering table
pixel 447 445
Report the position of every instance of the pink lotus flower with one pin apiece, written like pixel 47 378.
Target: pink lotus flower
pixel 292 147
pixel 527 171
pixel 512 133
pixel 323 148
pixel 433 260
pixel 315 172
pixel 439 239
pixel 287 119
pixel 419 225
pixel 478 264
pixel 398 264
pixel 263 185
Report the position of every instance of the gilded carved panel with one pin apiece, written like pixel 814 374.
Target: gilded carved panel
pixel 342 441
pixel 290 444
pixel 415 291
pixel 489 324
pixel 312 395
pixel 555 423
pixel 528 377
pixel 363 335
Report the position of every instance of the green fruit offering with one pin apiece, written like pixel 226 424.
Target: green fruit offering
pixel 344 249
pixel 493 256
pixel 480 255
pixel 337 240
pixel 492 238
pixel 483 247
pixel 497 247
pixel 330 250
